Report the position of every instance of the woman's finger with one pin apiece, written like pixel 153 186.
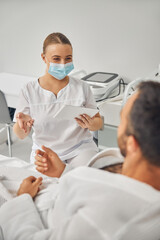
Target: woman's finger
pixel 78 120
pixel 84 119
pixel 31 121
pixel 29 124
pixel 19 115
pixel 20 120
pixel 87 117
pixel 25 126
pixel 20 123
pixel 81 124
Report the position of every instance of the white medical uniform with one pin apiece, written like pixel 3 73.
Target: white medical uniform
pixel 65 137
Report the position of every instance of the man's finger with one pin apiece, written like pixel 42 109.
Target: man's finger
pixel 38 181
pixel 41 164
pixel 47 150
pixel 41 153
pixel 30 178
pixel 40 159
pixel 41 169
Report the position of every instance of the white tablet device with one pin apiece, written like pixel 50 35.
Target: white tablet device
pixel 69 112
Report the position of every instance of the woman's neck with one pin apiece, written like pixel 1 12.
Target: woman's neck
pixel 52 84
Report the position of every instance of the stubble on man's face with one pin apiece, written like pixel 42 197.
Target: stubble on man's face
pixel 124 124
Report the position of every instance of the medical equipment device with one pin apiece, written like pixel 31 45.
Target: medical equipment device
pixel 103 84
pixel 131 87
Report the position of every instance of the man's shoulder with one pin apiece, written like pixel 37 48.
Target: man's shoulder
pixel 85 175
pixel 92 171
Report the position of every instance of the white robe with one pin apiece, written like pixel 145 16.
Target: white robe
pixel 89 204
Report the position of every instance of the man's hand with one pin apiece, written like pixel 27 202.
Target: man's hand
pixel 24 121
pixel 30 185
pixel 49 163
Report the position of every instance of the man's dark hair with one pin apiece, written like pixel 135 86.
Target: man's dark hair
pixel 144 121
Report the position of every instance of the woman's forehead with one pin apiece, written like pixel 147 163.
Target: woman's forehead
pixel 59 49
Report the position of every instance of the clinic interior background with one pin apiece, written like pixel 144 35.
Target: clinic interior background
pixel 120 36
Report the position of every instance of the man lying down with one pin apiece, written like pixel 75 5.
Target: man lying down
pixel 95 204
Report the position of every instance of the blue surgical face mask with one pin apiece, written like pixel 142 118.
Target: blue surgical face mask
pixel 60 71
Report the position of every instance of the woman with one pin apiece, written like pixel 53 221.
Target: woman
pixel 40 100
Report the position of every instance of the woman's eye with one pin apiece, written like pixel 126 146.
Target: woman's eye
pixel 68 59
pixel 56 59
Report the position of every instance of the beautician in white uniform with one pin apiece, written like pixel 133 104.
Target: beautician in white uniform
pixel 40 100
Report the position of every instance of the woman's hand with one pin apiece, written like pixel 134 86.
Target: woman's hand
pixel 24 121
pixel 85 121
pixel 93 124
pixel 49 163
pixel 30 185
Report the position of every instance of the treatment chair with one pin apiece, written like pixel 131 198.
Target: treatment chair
pixel 5 119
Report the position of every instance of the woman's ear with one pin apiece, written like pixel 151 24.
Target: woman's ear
pixel 43 57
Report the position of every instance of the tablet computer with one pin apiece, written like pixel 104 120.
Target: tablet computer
pixel 69 112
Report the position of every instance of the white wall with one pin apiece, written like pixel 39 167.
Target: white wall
pixel 121 36
pixel 1 42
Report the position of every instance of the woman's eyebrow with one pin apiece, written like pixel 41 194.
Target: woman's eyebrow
pixel 55 56
pixel 60 56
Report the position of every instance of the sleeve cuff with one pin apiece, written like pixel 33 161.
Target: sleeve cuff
pixel 15 206
pixel 67 169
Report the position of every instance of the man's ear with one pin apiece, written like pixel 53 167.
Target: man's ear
pixel 132 145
